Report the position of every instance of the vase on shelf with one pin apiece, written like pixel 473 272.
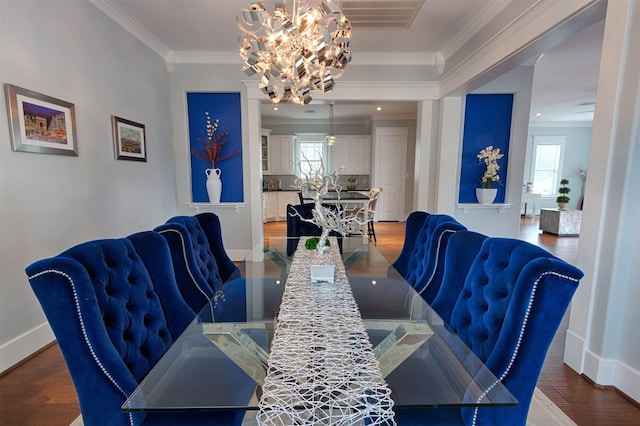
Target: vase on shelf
pixel 214 185
pixel 486 195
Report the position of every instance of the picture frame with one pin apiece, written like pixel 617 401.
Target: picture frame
pixel 39 123
pixel 129 139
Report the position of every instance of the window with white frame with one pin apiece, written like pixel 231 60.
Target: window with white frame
pixel 310 152
pixel 546 167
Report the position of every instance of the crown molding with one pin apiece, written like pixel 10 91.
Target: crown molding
pixel 487 15
pixel 207 57
pixel 111 9
pixel 533 22
pixel 395 58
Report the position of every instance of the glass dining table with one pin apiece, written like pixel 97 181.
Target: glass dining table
pixel 221 359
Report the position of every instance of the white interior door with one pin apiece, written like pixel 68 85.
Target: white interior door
pixel 390 171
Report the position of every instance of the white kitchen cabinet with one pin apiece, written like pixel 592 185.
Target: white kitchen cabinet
pixel 353 153
pixel 275 204
pixel 284 198
pixel 264 149
pixel 270 206
pixel 280 152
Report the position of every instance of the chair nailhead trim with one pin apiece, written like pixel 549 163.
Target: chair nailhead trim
pixel 433 273
pixel 520 337
pixel 84 331
pixel 184 256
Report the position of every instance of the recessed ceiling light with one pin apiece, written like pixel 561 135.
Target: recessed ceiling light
pixel 379 108
pixel 538 114
pixel 275 108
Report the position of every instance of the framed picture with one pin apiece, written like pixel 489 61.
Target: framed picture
pixel 129 139
pixel 40 123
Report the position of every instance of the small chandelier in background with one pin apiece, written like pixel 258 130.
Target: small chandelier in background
pixel 331 138
pixel 294 51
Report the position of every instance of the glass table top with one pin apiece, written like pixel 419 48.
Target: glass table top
pixel 220 361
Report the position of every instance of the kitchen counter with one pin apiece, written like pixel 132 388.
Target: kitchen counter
pixel 344 196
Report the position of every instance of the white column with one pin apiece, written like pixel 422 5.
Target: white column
pixel 603 339
pixel 255 169
pixel 422 192
pixel 448 162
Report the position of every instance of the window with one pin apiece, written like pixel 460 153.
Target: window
pixel 310 153
pixel 547 158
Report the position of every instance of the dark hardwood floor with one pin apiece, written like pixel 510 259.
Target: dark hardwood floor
pixel 39 391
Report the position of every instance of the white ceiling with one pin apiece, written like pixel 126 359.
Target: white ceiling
pixel 565 79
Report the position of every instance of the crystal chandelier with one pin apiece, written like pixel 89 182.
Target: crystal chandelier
pixel 296 50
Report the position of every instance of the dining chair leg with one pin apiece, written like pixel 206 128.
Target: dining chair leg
pixel 371 232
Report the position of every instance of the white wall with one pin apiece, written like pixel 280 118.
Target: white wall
pixel 214 78
pixel 576 157
pixel 603 340
pixel 71 51
pixel 497 222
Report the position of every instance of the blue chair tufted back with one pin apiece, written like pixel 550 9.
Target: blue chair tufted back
pixel 512 301
pixel 508 310
pixel 462 248
pixel 210 224
pixel 130 308
pixel 426 264
pixel 194 262
pixel 112 316
pixel 412 229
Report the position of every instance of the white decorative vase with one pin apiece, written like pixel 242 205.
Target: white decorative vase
pixel 486 195
pixel 562 206
pixel 214 185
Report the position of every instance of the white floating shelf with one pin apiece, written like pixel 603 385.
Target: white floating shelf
pixel 208 207
pixel 472 206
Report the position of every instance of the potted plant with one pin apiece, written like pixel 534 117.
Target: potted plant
pixel 352 184
pixel 563 199
pixel 489 156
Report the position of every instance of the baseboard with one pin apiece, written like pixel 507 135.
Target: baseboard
pixel 627 381
pixel 21 347
pixel 573 350
pixel 602 372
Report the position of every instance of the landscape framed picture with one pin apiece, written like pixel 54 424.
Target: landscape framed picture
pixel 129 139
pixel 40 123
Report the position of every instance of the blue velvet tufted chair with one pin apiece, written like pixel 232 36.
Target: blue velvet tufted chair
pixel 196 271
pixel 206 227
pixel 508 311
pixel 426 263
pixel 462 248
pixel 195 268
pixel 114 308
pixel 210 224
pixel 412 228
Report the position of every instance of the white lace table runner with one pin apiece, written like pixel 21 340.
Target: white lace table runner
pixel 322 368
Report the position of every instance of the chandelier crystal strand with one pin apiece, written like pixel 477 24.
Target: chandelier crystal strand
pixel 296 50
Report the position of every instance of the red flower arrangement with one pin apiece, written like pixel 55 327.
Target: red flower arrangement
pixel 213 145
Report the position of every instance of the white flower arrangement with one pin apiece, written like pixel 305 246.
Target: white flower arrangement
pixel 490 157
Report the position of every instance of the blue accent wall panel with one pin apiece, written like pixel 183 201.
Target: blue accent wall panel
pixel 487 121
pixel 226 108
